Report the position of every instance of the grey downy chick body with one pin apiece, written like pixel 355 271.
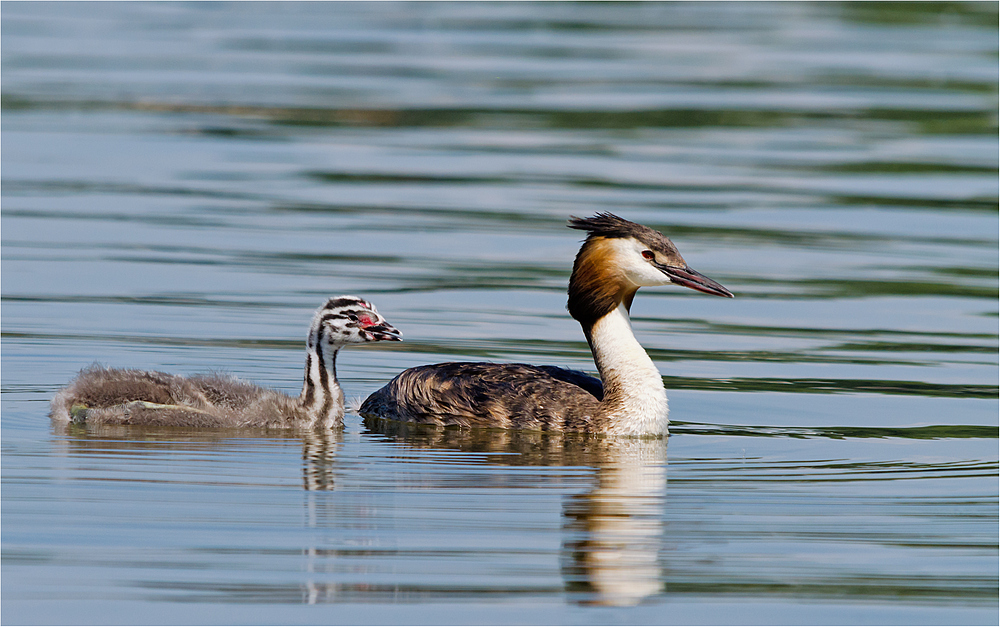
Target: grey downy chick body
pixel 118 396
pixel 617 258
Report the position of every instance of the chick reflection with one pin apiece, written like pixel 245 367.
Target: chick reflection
pixel 319 451
pixel 612 533
pixel 319 446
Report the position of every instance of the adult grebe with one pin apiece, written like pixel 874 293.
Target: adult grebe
pixel 617 258
pixel 106 396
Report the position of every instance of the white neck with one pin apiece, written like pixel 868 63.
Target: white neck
pixel 634 398
pixel 321 395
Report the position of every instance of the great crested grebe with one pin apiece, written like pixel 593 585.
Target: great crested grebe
pixel 114 396
pixel 617 258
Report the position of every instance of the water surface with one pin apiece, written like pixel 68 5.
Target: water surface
pixel 183 184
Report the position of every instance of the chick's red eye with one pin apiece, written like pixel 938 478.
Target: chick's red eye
pixel 648 255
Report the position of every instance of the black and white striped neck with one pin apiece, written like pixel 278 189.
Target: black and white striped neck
pixel 322 397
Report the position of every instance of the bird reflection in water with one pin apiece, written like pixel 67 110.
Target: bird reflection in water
pixel 612 532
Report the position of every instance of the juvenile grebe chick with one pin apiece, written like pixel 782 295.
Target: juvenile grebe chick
pixel 114 396
pixel 617 258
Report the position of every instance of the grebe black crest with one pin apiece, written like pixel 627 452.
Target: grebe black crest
pixel 114 396
pixel 617 258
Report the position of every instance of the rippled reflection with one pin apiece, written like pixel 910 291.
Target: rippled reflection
pixel 612 531
pixel 319 455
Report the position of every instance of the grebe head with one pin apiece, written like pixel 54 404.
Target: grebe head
pixel 349 320
pixel 618 258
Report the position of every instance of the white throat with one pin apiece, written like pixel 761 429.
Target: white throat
pixel 634 398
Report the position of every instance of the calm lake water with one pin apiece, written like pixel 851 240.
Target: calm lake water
pixel 183 184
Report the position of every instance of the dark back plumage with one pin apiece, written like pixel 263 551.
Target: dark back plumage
pixel 487 394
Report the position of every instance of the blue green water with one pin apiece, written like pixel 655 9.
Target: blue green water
pixel 182 184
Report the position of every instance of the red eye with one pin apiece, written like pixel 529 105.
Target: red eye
pixel 648 255
pixel 366 321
